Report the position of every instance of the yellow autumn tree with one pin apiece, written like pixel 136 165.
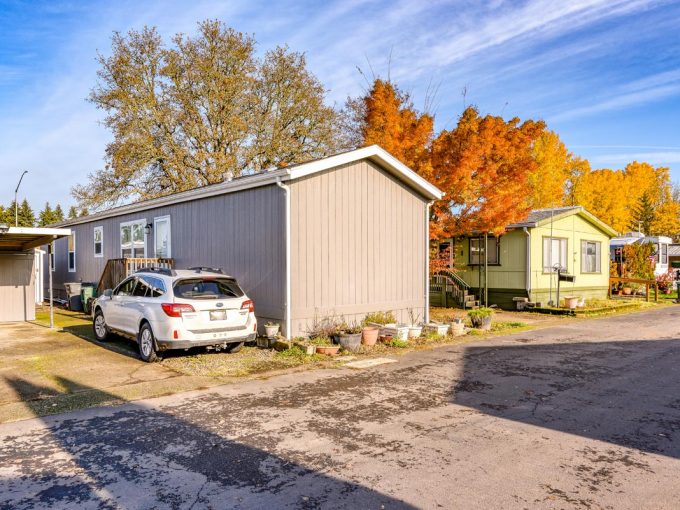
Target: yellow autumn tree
pixel 555 167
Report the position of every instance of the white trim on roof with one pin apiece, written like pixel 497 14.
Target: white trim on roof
pixel 372 152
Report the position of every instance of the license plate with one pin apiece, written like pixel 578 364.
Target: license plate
pixel 218 315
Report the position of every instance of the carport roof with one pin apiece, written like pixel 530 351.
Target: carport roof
pixel 18 239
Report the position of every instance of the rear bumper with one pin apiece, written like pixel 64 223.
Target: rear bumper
pixel 171 334
pixel 165 345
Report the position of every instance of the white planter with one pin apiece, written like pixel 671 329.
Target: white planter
pixel 440 329
pixel 458 328
pixel 398 331
pixel 415 331
pixel 272 331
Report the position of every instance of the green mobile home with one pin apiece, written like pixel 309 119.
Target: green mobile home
pixel 523 261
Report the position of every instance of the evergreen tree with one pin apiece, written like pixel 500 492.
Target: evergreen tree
pixel 46 216
pixel 643 215
pixel 4 216
pixel 26 215
pixel 72 212
pixel 84 212
pixel 9 214
pixel 58 214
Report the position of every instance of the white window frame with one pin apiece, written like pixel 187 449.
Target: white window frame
pixel 156 220
pixel 68 250
pixel 663 254
pixel 141 222
pixel 563 252
pixel 99 229
pixel 598 256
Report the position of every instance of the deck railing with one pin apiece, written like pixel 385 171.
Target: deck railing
pixel 116 270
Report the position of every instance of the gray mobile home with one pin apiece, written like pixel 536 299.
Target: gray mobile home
pixel 343 235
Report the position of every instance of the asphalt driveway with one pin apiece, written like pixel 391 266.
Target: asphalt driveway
pixel 580 415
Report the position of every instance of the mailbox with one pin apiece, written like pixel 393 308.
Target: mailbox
pixel 567 278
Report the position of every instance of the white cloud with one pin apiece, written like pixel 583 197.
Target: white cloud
pixel 659 158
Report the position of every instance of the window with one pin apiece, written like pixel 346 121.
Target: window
pixel 161 230
pixel 664 254
pixel 590 257
pixel 476 245
pixel 126 288
pixel 72 253
pixel 155 286
pixel 554 254
pixel 98 242
pixel 207 288
pixel 132 243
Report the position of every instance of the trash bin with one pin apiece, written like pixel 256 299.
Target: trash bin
pixel 73 301
pixel 88 291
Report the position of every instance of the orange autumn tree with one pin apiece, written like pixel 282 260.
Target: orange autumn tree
pixel 483 166
pixel 391 121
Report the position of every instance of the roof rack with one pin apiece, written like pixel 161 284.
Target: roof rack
pixel 201 269
pixel 158 270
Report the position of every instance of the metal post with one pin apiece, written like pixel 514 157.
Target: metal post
pixel 49 271
pixel 16 208
pixel 559 271
pixel 486 270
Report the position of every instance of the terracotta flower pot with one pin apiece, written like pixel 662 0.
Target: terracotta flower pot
pixel 627 291
pixel 369 335
pixel 328 350
pixel 386 339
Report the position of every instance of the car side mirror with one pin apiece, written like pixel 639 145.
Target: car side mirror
pixel 108 293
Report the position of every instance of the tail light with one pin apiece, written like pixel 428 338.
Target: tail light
pixel 248 304
pixel 176 309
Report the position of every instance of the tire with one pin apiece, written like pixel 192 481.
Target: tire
pixel 101 330
pixel 147 344
pixel 233 348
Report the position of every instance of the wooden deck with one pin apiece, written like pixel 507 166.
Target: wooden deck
pixel 116 270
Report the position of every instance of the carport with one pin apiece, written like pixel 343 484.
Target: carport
pixel 17 270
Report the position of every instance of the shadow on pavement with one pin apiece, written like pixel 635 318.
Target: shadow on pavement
pixel 622 392
pixel 136 457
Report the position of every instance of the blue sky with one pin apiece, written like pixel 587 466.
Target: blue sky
pixel 604 74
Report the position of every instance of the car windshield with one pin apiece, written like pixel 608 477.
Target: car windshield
pixel 207 288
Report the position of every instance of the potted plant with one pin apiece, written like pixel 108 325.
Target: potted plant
pixel 437 328
pixel 371 326
pixel 481 318
pixel 571 302
pixel 324 346
pixel 627 290
pixel 271 329
pixel 415 328
pixel 457 327
pixel 350 337
pixel 305 344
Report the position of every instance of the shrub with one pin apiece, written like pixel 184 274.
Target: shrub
pixel 401 344
pixel 665 281
pixel 320 340
pixel 380 318
pixel 480 313
pixel 325 327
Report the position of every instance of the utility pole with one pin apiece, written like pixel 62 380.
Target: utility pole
pixel 16 208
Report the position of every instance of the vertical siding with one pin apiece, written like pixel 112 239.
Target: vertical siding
pixel 358 245
pixel 17 291
pixel 241 232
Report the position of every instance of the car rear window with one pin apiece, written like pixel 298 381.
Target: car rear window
pixel 207 288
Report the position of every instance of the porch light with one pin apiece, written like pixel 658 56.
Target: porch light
pixel 147 228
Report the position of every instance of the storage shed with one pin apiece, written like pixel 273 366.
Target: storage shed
pixel 18 269
pixel 344 235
